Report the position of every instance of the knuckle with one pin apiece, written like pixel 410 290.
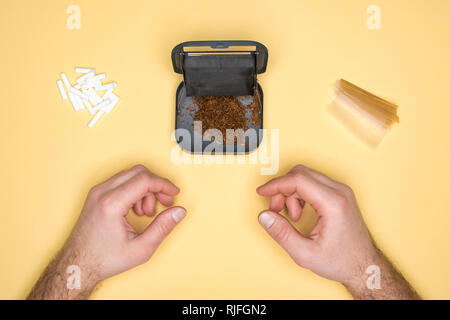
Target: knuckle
pixel 94 192
pixel 105 203
pixel 142 256
pixel 341 203
pixel 143 176
pixel 302 174
pixel 299 167
pixel 281 234
pixel 139 168
pixel 302 259
pixel 166 181
pixel 163 229
pixel 347 190
pixel 138 255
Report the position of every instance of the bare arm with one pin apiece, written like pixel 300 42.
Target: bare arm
pixel 339 247
pixel 53 283
pixel 392 284
pixel 103 243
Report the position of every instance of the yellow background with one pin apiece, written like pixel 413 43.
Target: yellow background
pixel 49 158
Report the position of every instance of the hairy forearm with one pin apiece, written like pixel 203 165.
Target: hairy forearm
pixel 60 279
pixel 392 285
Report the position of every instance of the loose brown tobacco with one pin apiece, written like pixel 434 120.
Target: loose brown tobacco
pixel 226 112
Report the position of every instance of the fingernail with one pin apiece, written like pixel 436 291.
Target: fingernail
pixel 266 219
pixel 178 214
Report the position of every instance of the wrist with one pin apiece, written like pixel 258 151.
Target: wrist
pixel 377 278
pixel 66 278
pixel 356 280
pixel 78 262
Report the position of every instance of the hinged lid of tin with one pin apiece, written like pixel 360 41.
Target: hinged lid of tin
pixel 220 68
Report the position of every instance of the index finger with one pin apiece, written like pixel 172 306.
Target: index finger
pixel 128 193
pixel 302 184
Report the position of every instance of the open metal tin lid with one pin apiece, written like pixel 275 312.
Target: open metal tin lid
pixel 219 68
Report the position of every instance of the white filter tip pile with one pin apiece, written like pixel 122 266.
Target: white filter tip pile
pixel 85 94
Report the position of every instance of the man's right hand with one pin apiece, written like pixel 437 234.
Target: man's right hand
pixel 339 247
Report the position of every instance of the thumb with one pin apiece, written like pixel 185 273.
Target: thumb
pixel 298 246
pixel 159 229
